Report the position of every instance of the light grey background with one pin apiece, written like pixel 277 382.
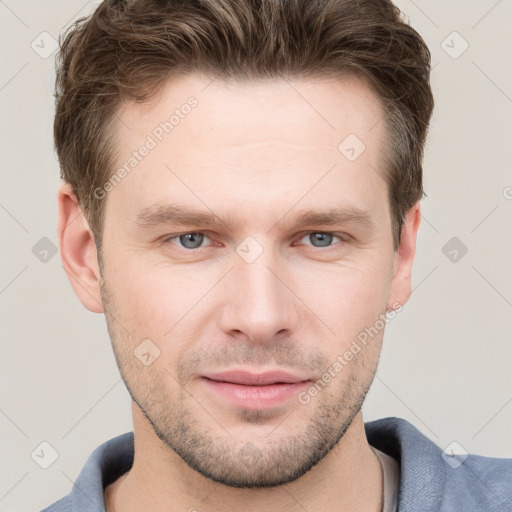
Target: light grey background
pixel 446 362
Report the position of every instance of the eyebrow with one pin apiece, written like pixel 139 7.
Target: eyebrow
pixel 159 215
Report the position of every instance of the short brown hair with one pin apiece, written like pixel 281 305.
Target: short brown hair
pixel 126 50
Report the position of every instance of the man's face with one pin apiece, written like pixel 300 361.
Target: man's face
pixel 256 292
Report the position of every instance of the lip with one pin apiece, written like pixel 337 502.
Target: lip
pixel 254 378
pixel 255 390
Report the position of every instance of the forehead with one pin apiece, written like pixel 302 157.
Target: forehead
pixel 249 140
pixel 237 113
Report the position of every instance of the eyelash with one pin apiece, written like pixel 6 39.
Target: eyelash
pixel 341 236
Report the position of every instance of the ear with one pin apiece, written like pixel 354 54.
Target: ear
pixel 404 257
pixel 78 250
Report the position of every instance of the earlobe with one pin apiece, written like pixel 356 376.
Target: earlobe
pixel 400 291
pixel 78 250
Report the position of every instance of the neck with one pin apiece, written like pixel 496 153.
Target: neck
pixel 349 477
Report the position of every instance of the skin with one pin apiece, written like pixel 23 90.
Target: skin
pixel 258 154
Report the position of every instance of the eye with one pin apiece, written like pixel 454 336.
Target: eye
pixel 188 240
pixel 194 240
pixel 322 238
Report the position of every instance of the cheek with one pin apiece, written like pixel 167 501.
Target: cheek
pixel 349 300
pixel 158 302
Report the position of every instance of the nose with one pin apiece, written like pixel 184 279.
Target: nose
pixel 259 302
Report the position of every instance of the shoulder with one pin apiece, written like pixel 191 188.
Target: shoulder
pixel 440 481
pixel 105 464
pixel 478 482
pixel 63 505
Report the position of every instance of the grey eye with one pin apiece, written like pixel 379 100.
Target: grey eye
pixel 323 239
pixel 191 240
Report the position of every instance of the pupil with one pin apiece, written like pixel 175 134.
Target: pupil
pixel 323 238
pixel 188 240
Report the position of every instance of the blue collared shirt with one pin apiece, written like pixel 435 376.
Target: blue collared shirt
pixel 430 480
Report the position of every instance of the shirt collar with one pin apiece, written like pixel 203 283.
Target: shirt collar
pixel 422 469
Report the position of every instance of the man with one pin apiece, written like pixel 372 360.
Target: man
pixel 241 200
